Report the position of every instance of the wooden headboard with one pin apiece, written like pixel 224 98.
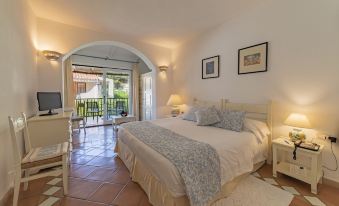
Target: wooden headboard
pixel 262 112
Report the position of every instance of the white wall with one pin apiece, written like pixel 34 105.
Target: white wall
pixel 18 75
pixel 303 71
pixel 64 38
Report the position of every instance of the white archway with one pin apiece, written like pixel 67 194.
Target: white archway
pixel 121 45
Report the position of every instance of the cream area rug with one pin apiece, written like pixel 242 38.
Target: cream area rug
pixel 255 192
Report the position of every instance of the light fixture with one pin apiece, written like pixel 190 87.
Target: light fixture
pixel 51 55
pixel 163 68
pixel 174 101
pixel 298 121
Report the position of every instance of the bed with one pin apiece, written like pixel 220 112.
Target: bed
pixel 239 154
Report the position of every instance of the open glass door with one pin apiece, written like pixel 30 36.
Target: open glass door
pixel 101 93
pixel 117 94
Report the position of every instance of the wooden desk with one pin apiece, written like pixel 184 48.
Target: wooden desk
pixel 49 130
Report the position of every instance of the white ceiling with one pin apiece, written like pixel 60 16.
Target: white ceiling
pixel 165 23
pixel 109 51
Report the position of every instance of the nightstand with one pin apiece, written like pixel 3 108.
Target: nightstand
pixel 312 174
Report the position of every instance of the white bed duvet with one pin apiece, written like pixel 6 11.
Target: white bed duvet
pixel 238 151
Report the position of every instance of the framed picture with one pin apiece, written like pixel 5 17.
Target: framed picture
pixel 210 67
pixel 253 59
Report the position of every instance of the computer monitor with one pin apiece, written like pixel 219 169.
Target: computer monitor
pixel 49 101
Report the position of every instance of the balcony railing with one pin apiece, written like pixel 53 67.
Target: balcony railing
pixel 94 107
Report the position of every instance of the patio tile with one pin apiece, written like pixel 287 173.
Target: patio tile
pixel 102 174
pixel 49 201
pixel 131 195
pixel 106 193
pixel 83 171
pixel 82 189
pixel 105 162
pixel 69 201
pixel 108 153
pixel 95 152
pixel 271 181
pixel 54 181
pixel 32 200
pixel 83 159
pixel 121 176
pixel 51 191
pixel 314 201
pixel 292 190
pixel 82 151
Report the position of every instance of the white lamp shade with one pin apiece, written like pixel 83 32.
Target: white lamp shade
pixel 298 120
pixel 174 100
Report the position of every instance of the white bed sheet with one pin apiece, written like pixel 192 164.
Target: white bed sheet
pixel 238 151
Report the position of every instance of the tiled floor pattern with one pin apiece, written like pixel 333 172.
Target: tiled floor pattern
pixel 98 177
pixel 327 195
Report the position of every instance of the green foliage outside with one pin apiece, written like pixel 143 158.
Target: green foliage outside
pixel 120 82
pixel 120 94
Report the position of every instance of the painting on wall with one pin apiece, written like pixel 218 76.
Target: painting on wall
pixel 210 67
pixel 253 59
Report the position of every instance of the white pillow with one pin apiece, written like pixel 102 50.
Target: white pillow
pixel 207 116
pixel 258 128
pixel 190 114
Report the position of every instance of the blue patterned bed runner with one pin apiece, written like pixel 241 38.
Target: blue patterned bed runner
pixel 198 163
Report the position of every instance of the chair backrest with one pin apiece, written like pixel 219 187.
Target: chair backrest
pixel 80 108
pixel 18 127
pixel 120 105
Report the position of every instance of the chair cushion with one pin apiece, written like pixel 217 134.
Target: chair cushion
pixel 77 118
pixel 41 162
pixel 47 152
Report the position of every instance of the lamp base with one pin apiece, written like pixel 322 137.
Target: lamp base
pixel 297 134
pixel 175 111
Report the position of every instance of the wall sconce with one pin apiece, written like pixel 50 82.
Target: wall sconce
pixel 51 55
pixel 163 68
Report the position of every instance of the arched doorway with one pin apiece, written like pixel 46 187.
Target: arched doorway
pixel 127 47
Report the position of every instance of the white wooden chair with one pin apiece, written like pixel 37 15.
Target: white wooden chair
pixel 77 121
pixel 36 158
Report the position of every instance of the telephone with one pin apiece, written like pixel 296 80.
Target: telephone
pixel 307 145
pixel 304 145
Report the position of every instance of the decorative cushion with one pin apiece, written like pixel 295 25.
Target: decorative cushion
pixel 231 120
pixel 190 114
pixel 207 116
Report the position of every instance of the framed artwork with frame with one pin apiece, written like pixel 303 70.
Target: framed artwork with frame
pixel 210 67
pixel 253 59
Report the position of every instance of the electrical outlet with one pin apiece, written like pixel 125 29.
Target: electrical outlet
pixel 323 136
pixel 333 139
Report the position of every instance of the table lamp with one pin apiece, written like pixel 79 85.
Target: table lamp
pixel 298 121
pixel 174 101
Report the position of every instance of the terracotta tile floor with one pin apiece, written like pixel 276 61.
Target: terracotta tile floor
pixel 98 177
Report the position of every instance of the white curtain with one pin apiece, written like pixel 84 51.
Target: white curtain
pixel 135 76
pixel 69 93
